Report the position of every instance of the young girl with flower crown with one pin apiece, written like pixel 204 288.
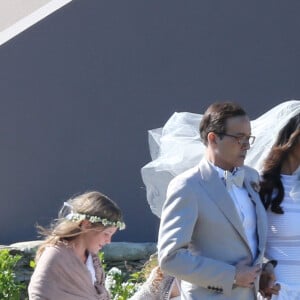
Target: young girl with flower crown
pixel 68 266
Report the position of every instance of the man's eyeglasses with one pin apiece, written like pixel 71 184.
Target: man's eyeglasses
pixel 242 140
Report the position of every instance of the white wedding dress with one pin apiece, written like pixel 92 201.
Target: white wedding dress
pixel 283 242
pixel 176 147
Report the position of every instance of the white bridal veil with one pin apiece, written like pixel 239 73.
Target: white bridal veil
pixel 176 147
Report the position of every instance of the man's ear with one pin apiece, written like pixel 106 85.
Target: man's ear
pixel 212 138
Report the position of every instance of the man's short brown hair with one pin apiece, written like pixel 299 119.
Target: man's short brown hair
pixel 214 118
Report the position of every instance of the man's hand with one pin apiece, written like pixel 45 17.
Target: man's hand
pixel 267 286
pixel 246 274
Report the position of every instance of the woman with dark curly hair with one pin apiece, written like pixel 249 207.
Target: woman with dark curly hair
pixel 280 193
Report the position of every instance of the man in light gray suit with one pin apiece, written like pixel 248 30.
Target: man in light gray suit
pixel 213 226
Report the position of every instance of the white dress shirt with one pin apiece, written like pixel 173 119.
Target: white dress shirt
pixel 245 209
pixel 90 265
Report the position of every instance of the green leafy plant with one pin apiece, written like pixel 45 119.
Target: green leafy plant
pixel 10 288
pixel 119 285
pixel 101 257
pixel 32 264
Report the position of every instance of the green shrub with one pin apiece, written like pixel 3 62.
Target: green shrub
pixel 9 287
pixel 120 285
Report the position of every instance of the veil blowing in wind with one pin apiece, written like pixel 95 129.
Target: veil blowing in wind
pixel 176 147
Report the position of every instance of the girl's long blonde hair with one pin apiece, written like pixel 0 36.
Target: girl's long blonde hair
pixel 90 203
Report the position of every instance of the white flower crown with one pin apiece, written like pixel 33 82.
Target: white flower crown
pixel 75 217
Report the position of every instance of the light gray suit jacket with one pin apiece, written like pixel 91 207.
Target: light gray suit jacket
pixel 201 237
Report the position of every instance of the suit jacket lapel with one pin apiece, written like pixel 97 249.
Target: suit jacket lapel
pixel 218 193
pixel 260 214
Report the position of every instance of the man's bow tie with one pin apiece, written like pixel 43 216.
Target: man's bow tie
pixel 236 178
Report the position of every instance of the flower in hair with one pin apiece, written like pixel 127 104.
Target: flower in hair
pixel 75 217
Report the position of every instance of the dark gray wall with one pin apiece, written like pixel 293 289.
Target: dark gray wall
pixel 80 89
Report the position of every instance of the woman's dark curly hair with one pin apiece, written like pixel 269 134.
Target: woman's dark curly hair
pixel 272 191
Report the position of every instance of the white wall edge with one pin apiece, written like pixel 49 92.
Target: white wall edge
pixel 31 19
